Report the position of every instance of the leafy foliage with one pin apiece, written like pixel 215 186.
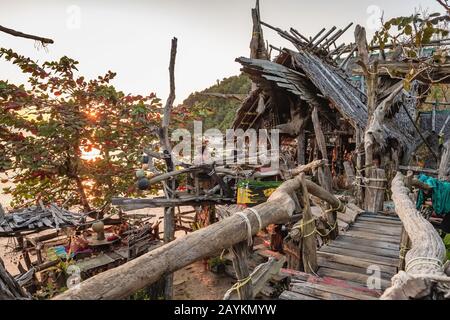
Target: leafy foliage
pixel 218 112
pixel 416 29
pixel 49 127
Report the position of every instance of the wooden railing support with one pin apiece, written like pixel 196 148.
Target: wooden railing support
pixel 309 245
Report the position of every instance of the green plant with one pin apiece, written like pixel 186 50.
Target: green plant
pixel 216 264
pixel 218 112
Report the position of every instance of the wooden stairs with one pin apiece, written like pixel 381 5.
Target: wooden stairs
pixel 369 246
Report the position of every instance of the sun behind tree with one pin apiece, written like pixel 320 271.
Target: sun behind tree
pixel 68 139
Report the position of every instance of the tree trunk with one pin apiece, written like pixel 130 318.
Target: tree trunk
pixel 82 194
pixel 169 213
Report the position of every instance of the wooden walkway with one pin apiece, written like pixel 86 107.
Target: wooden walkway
pixel 371 243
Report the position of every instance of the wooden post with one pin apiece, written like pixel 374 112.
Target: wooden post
pixel 169 213
pixel 444 166
pixel 375 190
pixel 309 245
pixel 258 48
pixel 260 275
pixel 372 86
pixel 301 154
pixel 320 138
pixel 359 167
pixel 324 172
pixel 240 264
pixel 240 252
pixel 349 173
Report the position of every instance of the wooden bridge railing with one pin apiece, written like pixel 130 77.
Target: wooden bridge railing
pixel 424 274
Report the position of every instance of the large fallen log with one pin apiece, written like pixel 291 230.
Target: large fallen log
pixel 424 274
pixel 134 275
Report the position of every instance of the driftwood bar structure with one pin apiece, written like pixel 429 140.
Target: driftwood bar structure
pixel 338 110
pixel 349 130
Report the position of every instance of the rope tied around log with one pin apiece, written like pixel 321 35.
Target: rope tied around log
pixel 423 260
pixel 301 224
pixel 239 284
pixel 249 225
pixel 403 251
pixel 340 208
pixel 367 186
pixel 242 282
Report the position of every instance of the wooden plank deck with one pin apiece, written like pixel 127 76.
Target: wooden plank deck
pixel 372 241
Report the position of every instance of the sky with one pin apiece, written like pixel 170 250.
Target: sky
pixel 133 37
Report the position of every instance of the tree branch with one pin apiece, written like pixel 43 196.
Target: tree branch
pixel 24 35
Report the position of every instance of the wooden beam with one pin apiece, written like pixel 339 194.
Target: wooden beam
pixel 419 169
pixel 444 165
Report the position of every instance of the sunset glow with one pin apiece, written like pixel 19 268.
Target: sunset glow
pixel 91 155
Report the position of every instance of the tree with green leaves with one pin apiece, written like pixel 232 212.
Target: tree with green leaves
pixel 70 140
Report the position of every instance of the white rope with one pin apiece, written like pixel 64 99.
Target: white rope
pixel 249 228
pixel 257 217
pixel 423 260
